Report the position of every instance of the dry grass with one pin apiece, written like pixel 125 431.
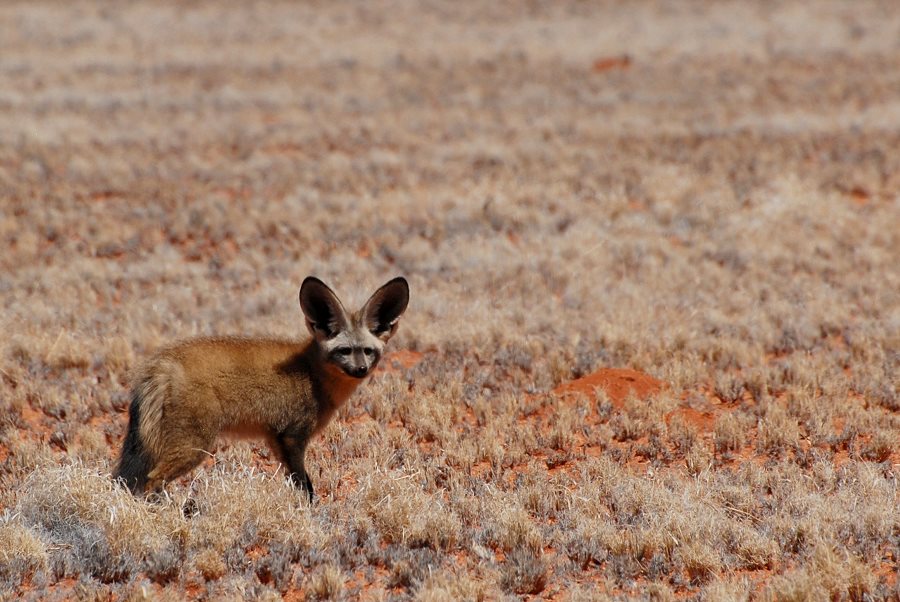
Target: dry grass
pixel 719 211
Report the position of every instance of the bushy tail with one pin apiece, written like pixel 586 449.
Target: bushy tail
pixel 135 461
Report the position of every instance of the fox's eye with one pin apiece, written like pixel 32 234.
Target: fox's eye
pixel 369 351
pixel 344 351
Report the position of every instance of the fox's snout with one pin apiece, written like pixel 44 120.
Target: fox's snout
pixel 356 364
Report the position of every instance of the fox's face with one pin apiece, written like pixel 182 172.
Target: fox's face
pixel 353 343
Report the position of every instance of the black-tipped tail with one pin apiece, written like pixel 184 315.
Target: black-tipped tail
pixel 134 463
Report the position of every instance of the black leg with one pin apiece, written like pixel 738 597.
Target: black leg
pixel 304 483
pixel 293 449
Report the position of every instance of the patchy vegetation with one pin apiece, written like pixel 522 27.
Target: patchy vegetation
pixel 652 349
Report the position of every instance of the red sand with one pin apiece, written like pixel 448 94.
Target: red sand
pixel 617 382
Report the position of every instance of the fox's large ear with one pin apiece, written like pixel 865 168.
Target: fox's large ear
pixel 325 316
pixel 384 308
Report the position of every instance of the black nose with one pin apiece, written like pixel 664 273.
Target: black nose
pixel 358 372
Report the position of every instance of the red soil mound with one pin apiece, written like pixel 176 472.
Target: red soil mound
pixel 400 360
pixel 618 383
pixel 611 63
pixel 701 421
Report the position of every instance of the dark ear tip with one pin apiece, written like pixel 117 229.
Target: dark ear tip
pixel 311 281
pixel 399 280
pixel 400 283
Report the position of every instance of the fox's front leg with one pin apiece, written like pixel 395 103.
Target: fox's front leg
pixel 292 443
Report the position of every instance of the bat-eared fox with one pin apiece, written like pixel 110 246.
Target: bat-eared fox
pixel 282 390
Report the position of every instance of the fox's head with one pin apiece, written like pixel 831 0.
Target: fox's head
pixel 352 342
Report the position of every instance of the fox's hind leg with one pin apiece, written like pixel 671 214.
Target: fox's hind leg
pixel 178 458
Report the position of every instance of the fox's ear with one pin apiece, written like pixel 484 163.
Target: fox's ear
pixel 384 308
pixel 325 316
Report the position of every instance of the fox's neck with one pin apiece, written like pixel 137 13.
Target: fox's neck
pixel 331 386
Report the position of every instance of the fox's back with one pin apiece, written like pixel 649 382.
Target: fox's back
pixel 234 355
pixel 237 379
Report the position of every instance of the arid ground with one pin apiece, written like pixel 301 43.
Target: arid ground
pixel 653 347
